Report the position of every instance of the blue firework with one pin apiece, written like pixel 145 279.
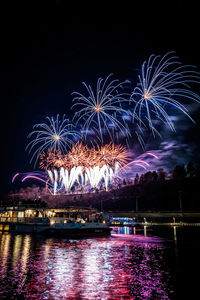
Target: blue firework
pixel 56 134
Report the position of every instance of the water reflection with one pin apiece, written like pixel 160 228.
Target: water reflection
pixel 5 244
pixel 175 235
pixel 16 249
pixel 126 265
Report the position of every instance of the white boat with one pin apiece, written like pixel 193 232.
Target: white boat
pixel 56 222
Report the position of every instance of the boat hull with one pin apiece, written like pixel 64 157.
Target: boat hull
pixel 64 230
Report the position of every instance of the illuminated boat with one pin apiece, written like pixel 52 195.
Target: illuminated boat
pixel 55 222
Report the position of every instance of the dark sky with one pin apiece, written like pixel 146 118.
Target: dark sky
pixel 47 51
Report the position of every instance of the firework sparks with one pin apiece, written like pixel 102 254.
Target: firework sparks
pixel 162 83
pixel 55 134
pixel 82 155
pixel 140 165
pixel 37 175
pixel 33 177
pixel 152 154
pixel 104 114
pixel 83 165
pixel 101 110
pixel 85 169
pixel 14 177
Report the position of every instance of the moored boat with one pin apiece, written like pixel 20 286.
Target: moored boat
pixel 56 222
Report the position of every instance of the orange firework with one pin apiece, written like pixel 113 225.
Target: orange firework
pixel 110 153
pixel 76 157
pixel 51 159
pixel 81 155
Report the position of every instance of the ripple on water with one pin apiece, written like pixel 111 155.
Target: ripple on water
pixel 117 267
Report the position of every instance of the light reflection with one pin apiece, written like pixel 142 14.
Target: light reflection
pixel 145 230
pixel 16 249
pixel 175 241
pixel 5 244
pixel 175 236
pixel 123 266
pixel 134 230
pixel 25 253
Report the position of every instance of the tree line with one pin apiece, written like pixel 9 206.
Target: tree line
pixel 178 173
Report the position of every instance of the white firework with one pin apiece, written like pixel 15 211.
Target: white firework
pixel 163 82
pixel 55 134
pixel 101 109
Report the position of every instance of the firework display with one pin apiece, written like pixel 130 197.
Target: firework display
pixel 93 156
pixel 89 168
pixel 101 168
pixel 56 134
pixel 163 83
pixel 101 110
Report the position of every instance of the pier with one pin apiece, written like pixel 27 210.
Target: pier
pixel 157 218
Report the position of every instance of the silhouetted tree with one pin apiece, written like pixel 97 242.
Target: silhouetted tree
pixel 124 181
pixel 179 173
pixel 147 177
pixel 141 179
pixel 154 176
pixel 161 174
pixel 191 170
pixel 136 180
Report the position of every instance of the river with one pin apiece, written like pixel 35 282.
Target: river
pixel 132 263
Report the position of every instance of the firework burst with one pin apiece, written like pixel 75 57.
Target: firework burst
pixel 163 82
pixel 101 109
pixel 56 134
pixel 82 155
pixel 83 165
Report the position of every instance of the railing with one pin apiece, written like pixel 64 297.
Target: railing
pixel 21 207
pixel 23 220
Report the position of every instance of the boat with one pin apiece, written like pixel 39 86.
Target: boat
pixel 69 222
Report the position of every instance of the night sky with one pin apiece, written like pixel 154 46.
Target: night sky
pixel 44 59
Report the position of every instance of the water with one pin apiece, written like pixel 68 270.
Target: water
pixel 130 264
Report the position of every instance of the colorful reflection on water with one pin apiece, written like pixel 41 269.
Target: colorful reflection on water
pixel 126 265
